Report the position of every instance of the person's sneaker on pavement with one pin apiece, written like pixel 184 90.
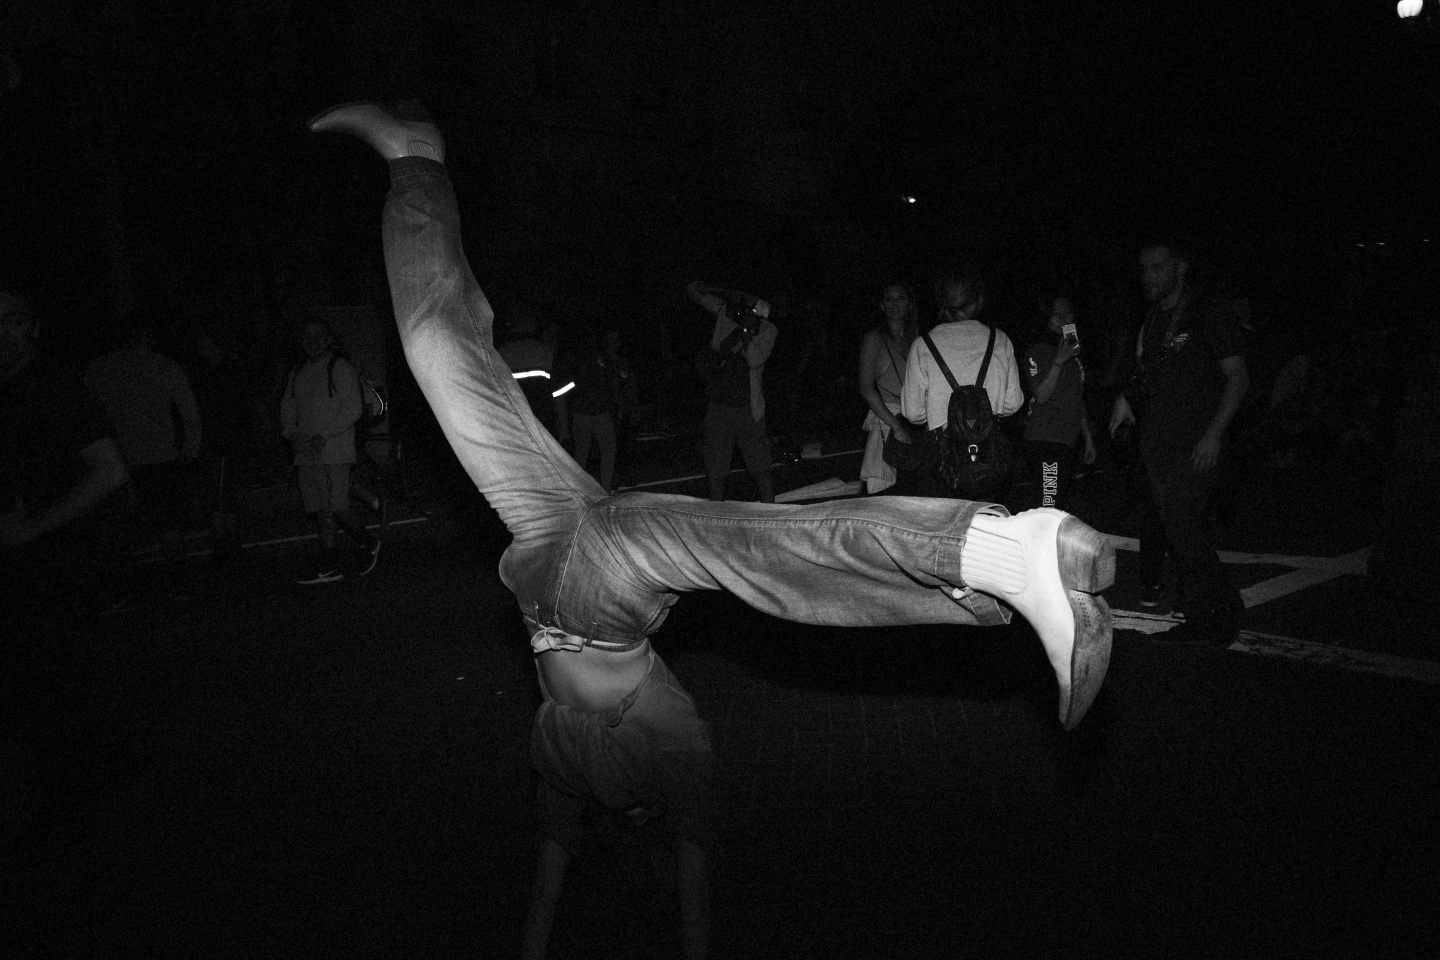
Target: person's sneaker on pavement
pixel 320 575
pixel 1216 626
pixel 370 555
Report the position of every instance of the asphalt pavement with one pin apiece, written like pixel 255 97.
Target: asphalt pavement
pixel 341 771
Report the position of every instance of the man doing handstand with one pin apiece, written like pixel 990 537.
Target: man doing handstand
pixel 595 575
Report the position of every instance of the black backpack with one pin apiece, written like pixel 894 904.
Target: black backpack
pixel 373 402
pixel 374 405
pixel 974 458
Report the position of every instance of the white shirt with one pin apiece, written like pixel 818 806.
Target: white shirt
pixel 925 397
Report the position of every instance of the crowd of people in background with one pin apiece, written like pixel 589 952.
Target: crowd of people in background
pixel 198 414
pixel 154 440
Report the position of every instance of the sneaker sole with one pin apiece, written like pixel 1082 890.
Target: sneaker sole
pixel 374 559
pixel 318 580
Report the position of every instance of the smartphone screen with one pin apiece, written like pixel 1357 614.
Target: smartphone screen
pixel 1067 332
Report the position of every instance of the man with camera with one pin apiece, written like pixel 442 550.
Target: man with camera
pixel 1188 381
pixel 734 365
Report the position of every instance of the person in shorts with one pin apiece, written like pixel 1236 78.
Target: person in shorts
pixel 318 413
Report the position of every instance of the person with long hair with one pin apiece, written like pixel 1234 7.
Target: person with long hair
pixel 1055 377
pixel 883 354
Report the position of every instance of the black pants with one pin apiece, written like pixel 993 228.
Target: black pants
pixel 1048 475
pixel 1180 497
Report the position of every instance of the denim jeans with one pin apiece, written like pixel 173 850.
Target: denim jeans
pixel 609 568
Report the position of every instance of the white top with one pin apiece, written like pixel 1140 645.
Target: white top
pixel 307 407
pixel 925 397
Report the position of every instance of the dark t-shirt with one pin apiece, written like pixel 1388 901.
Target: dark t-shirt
pixel 730 385
pixel 1057 420
pixel 1185 378
pixel 46 420
pixel 528 355
pixel 591 395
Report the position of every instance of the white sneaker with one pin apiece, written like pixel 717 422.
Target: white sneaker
pixel 327 575
pixel 372 556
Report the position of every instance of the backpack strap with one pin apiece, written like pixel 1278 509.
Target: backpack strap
pixel 945 369
pixel 985 364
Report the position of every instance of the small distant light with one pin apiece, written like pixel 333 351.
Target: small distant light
pixel 1409 8
pixel 909 199
pixel 1360 245
pixel 1380 243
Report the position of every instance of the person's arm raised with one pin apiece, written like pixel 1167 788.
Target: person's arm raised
pixel 708 296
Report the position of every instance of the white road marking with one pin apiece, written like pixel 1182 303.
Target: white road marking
pixel 831 489
pixel 1146 623
pixel 1308 572
pixel 1325 654
pixel 1283 585
pixel 1306 651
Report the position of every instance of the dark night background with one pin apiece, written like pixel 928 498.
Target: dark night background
pixel 345 772
pixel 609 153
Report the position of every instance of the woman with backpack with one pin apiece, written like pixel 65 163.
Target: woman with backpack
pixel 962 357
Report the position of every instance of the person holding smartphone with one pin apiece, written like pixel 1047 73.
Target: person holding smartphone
pixel 1055 377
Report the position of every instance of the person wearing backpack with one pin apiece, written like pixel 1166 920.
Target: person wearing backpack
pixel 961 352
pixel 319 409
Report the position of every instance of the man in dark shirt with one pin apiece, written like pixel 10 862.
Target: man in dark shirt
pixel 604 390
pixel 61 466
pixel 63 489
pixel 1190 380
pixel 532 362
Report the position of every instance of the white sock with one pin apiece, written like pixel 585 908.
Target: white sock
pixel 421 148
pixel 990 561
